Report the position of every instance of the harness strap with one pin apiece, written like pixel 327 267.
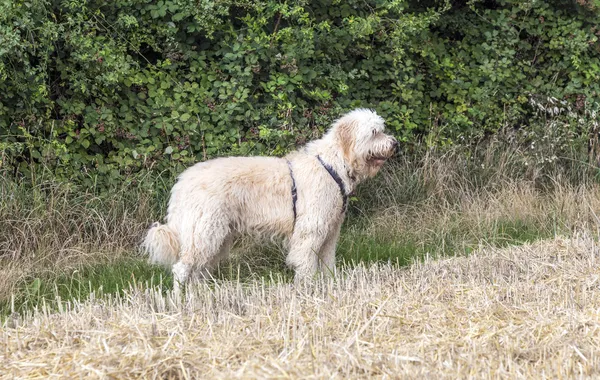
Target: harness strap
pixel 336 177
pixel 294 190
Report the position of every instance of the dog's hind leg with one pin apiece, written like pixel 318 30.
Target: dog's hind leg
pixel 223 252
pixel 181 272
pixel 208 242
pixel 205 272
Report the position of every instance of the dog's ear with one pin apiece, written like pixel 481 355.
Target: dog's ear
pixel 346 130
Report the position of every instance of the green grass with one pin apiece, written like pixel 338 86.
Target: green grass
pixel 354 247
pixel 404 249
pixel 515 232
pixel 361 248
pixel 98 279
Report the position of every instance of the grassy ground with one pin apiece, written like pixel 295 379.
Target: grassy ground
pixel 515 299
pixel 59 242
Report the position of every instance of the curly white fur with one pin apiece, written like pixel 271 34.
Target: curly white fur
pixel 215 201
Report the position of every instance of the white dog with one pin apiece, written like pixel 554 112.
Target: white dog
pixel 301 197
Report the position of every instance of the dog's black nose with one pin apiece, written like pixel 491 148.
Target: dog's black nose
pixel 396 146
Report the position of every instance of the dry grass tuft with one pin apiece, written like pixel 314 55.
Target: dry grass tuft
pixel 528 311
pixel 561 210
pixel 491 196
pixel 51 229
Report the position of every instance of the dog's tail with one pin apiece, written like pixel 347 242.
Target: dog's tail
pixel 161 245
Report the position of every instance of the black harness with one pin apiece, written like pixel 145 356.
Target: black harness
pixel 294 190
pixel 336 177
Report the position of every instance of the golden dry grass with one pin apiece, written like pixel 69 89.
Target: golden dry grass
pixel 52 229
pixel 517 312
pixel 563 209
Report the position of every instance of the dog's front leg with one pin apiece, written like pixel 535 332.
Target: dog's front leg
pixel 305 246
pixel 327 253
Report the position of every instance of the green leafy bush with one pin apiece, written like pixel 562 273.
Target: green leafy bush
pixel 96 91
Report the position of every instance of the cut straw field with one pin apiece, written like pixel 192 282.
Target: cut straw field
pixel 515 312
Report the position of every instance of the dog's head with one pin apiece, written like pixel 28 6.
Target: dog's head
pixel 360 134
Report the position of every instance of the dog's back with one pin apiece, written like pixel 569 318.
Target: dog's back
pixel 237 187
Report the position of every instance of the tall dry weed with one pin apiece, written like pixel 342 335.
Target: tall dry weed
pixel 55 228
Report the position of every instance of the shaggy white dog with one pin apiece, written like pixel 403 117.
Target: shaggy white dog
pixel 301 197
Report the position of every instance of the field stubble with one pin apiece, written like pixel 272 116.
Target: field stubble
pixel 527 311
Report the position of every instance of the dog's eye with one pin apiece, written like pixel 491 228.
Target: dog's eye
pixel 374 132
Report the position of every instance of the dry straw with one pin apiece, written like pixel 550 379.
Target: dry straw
pixel 518 312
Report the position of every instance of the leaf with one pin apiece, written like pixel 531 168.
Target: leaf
pixel 35 285
pixel 169 150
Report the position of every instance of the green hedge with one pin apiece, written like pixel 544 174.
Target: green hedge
pixel 98 90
